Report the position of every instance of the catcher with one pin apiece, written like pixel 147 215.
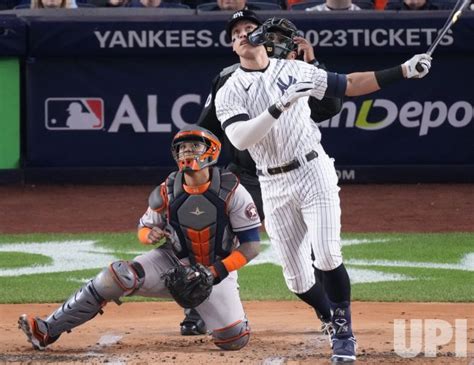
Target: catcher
pixel 207 225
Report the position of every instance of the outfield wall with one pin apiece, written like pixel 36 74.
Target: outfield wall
pixel 135 78
pixel 10 113
pixel 12 47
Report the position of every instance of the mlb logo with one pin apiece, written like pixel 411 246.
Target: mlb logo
pixel 74 113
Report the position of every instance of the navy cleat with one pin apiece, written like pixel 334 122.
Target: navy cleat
pixel 343 342
pixel 344 350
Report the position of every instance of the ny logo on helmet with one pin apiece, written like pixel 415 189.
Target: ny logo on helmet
pixel 285 85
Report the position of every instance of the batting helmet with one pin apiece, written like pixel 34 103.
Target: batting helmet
pixel 195 148
pixel 279 37
pixel 237 17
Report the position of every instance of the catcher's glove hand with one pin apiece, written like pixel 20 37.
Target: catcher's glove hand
pixel 189 285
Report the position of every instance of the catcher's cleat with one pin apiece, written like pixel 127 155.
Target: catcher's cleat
pixel 36 331
pixel 344 350
pixel 192 324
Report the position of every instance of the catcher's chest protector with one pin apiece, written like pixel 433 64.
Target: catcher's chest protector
pixel 200 220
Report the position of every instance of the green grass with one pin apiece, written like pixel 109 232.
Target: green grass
pixel 428 247
pixel 10 260
pixel 265 282
pixel 438 285
pixel 116 241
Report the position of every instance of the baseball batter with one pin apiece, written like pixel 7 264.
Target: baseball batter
pixel 263 108
pixel 285 42
pixel 204 216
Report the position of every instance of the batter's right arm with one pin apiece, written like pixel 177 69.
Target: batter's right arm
pixel 244 132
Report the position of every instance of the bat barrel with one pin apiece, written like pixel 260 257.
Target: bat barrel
pixel 453 17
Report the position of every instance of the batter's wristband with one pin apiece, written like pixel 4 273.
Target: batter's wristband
pixel 389 76
pixel 221 270
pixel 274 111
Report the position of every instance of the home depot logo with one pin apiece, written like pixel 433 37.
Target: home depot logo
pixel 420 116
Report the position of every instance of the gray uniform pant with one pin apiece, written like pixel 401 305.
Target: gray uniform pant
pixel 221 309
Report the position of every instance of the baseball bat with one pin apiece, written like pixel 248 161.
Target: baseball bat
pixel 460 6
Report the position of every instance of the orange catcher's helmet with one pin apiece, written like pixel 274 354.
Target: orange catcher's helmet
pixel 195 148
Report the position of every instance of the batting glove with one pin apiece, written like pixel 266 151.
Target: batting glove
pixel 410 66
pixel 292 94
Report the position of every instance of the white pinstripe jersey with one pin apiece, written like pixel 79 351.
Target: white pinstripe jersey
pixel 252 92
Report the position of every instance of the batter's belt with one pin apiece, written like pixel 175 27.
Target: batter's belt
pixel 292 165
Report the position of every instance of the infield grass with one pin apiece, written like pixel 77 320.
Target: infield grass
pixel 383 267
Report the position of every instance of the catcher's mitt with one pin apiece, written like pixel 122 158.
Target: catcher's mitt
pixel 189 285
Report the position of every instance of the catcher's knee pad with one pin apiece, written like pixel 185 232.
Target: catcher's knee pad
pixel 119 279
pixel 233 337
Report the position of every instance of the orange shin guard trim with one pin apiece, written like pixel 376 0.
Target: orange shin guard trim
pixel 233 337
pixel 234 261
pixel 35 330
pixel 227 327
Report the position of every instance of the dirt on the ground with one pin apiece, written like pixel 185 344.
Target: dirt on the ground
pixel 282 332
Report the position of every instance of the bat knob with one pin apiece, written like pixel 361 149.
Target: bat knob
pixel 419 67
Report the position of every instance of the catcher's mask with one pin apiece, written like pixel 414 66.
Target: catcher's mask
pixel 195 148
pixel 277 35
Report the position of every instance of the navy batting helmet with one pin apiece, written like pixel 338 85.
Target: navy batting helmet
pixel 237 17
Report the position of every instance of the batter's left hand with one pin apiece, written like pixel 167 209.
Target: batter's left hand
pixel 305 48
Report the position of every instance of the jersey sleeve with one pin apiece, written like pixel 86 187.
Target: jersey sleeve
pixel 151 219
pixel 230 105
pixel 242 211
pixel 319 78
pixel 329 84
